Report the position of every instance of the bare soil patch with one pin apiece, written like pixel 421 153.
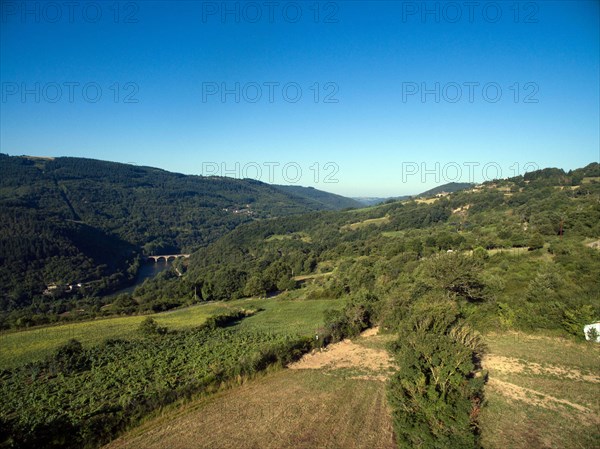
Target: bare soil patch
pixel 373 363
pixel 513 365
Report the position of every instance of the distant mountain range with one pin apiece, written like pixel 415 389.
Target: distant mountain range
pixel 447 188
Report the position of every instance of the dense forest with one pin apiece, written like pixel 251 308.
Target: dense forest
pixel 82 225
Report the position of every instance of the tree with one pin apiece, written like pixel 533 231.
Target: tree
pixel 434 395
pixel 544 286
pixel 149 327
pixel 255 286
pixel 454 273
pixel 575 319
pixel 536 241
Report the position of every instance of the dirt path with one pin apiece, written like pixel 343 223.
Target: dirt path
pixel 513 365
pixel 501 365
pixel 533 397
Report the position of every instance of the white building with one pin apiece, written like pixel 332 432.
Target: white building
pixel 589 327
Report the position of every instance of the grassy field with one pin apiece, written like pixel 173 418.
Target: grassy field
pixel 326 406
pixel 542 393
pixel 368 222
pixel 282 314
pixel 286 316
pixel 303 236
pixel 426 200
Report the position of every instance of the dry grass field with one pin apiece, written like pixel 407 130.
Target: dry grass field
pixel 543 393
pixel 331 399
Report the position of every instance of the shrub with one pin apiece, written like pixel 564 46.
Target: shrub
pixel 455 273
pixel 575 319
pixel 225 319
pixel 149 327
pixel 480 253
pixel 70 358
pixel 435 395
pixel 536 242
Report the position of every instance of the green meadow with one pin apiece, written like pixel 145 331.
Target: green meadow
pixel 284 314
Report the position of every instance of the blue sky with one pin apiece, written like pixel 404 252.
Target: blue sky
pixel 396 97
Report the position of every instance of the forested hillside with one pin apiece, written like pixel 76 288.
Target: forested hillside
pixel 515 255
pixel 69 221
pixel 328 200
pixel 446 188
pixel 536 226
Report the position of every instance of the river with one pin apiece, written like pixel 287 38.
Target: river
pixel 147 270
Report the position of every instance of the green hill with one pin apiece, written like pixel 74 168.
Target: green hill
pixel 442 277
pixel 75 220
pixel 446 188
pixel 326 199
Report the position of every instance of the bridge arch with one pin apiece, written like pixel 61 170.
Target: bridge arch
pixel 167 257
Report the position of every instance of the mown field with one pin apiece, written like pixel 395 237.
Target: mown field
pixel 332 400
pixel 284 314
pixel 542 393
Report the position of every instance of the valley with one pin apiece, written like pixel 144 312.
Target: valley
pixel 424 321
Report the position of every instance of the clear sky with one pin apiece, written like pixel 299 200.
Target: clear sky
pixel 386 98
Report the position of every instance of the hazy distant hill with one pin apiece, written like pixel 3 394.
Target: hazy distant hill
pixel 326 199
pixel 448 188
pixel 369 200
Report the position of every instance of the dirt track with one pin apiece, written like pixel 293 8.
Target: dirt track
pixel 501 365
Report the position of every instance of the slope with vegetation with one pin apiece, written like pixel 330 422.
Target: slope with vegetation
pixel 73 227
pixel 507 255
pixel 324 401
pixel 328 200
pixel 81 396
pixel 439 277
